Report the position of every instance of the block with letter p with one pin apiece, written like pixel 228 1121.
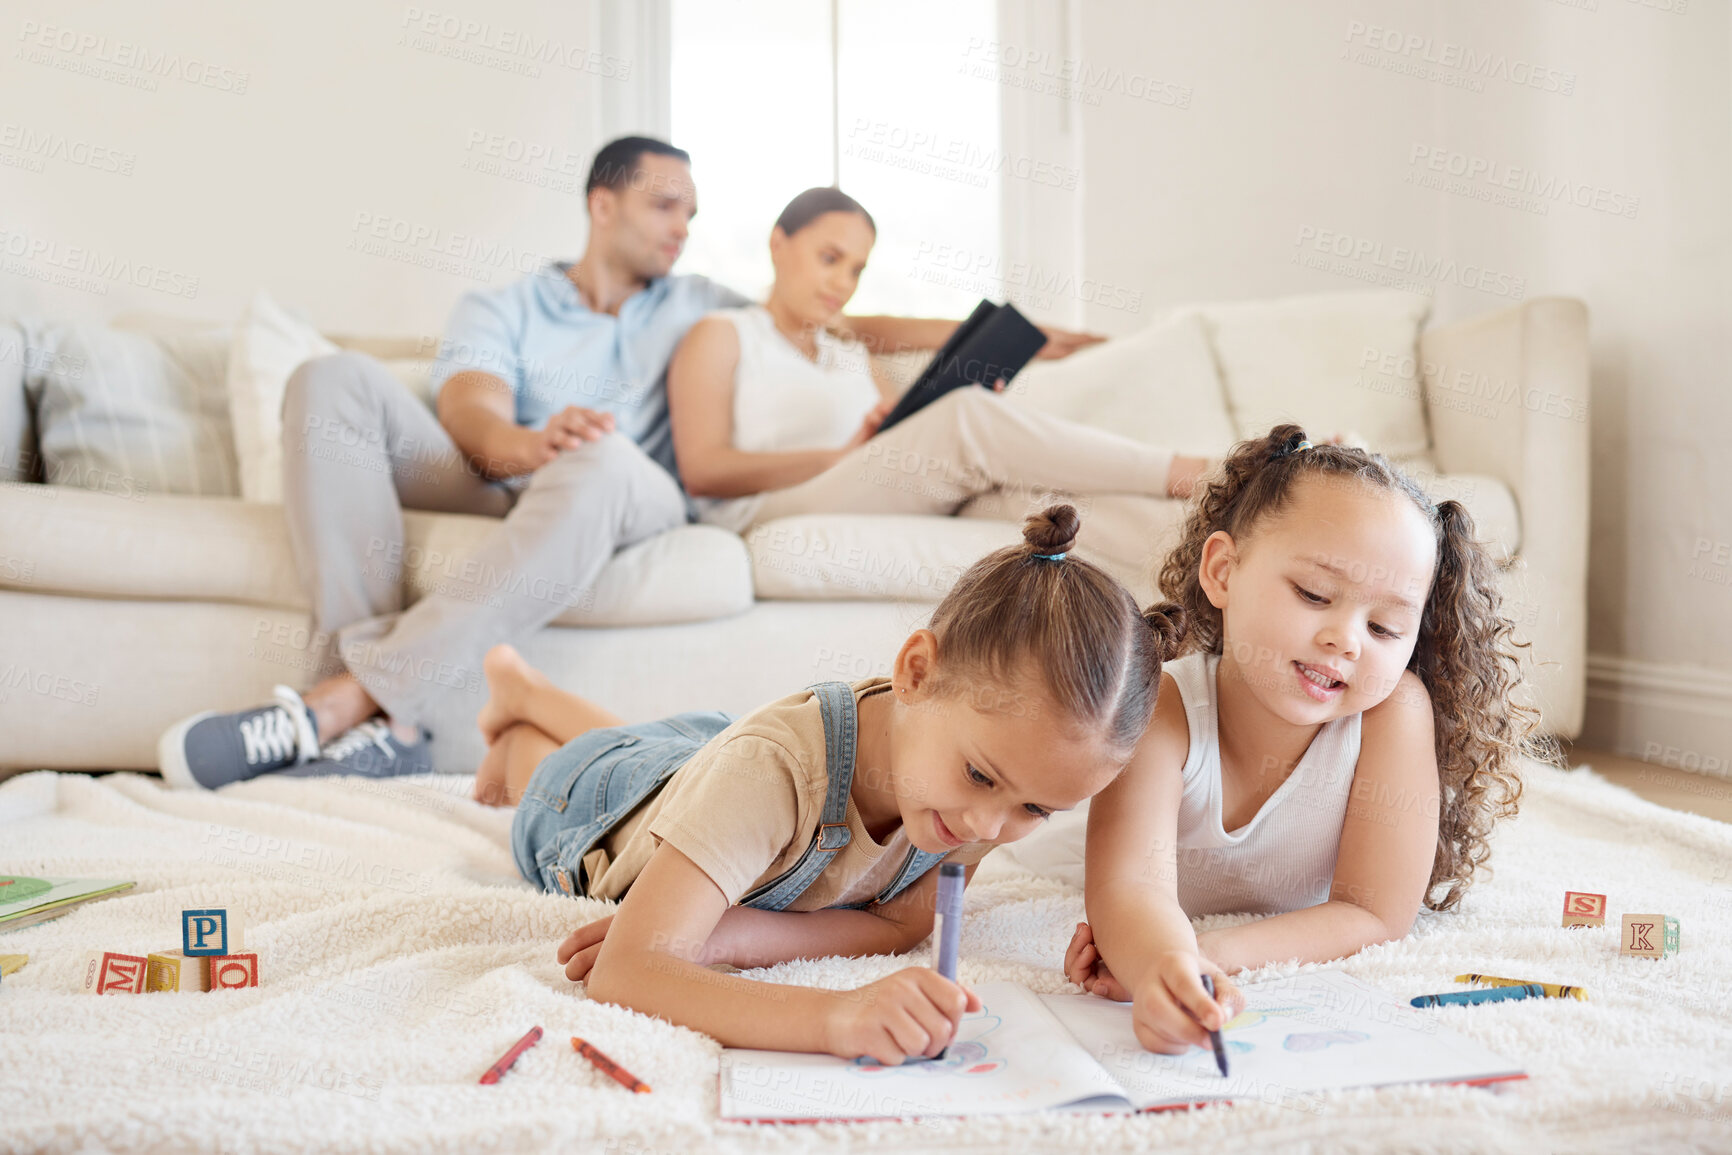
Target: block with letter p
pixel 1584 909
pixel 205 933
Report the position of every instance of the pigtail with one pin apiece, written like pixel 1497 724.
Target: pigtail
pixel 1170 624
pixel 1467 659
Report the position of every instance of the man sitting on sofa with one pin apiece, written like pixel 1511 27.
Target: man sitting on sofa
pixel 552 415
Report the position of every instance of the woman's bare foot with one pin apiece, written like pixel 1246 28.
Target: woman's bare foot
pixel 509 679
pixel 1184 474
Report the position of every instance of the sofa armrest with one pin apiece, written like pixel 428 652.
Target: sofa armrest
pixel 18 459
pixel 1507 397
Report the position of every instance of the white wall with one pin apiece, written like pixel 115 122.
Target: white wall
pixel 1222 132
pixel 325 121
pixel 1278 131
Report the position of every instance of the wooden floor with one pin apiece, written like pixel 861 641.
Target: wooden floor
pixel 1702 794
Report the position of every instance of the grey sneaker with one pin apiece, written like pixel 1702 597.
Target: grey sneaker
pixel 371 751
pixel 209 750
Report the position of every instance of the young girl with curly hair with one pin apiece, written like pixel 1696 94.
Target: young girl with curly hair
pixel 1332 749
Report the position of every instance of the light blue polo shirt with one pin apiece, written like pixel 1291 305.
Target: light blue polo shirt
pixel 553 350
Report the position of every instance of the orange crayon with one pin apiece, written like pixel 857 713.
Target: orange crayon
pixel 608 1067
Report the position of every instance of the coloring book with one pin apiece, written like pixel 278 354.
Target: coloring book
pixel 25 901
pixel 1297 1037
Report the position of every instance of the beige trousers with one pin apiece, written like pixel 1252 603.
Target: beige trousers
pixel 973 454
pixel 968 444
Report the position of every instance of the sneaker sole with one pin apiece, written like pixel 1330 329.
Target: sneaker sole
pixel 171 754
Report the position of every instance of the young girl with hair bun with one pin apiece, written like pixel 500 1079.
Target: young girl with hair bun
pixel 1331 750
pixel 810 826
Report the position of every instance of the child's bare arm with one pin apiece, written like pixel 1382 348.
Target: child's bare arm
pixel 754 938
pixel 746 937
pixel 1130 873
pixel 1388 841
pixel 667 918
pixel 1141 936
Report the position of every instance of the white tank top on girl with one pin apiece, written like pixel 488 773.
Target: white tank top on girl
pixel 785 401
pixel 1281 860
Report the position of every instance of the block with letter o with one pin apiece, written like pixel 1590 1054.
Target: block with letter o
pixel 234 971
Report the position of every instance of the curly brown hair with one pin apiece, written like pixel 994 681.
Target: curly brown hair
pixel 1465 654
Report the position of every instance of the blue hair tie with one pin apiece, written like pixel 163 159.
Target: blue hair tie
pixel 1051 556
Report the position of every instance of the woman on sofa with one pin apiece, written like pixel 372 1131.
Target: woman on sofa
pixel 774 410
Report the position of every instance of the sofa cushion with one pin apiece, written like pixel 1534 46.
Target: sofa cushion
pixel 1333 362
pixel 869 557
pixel 128 413
pixel 689 574
pixel 1158 386
pixel 1496 517
pixel 210 549
pixel 269 345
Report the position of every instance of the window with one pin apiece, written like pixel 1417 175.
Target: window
pixel 770 102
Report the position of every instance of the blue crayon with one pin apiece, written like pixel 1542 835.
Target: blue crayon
pixel 1215 1036
pixel 1491 995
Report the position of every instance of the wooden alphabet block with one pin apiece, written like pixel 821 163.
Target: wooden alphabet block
pixel 170 970
pixel 1584 909
pixel 108 972
pixel 206 933
pixel 234 971
pixel 1649 936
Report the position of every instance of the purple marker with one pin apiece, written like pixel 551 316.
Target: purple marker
pixel 948 920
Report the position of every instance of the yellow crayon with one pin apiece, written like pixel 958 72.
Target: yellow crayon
pixel 1553 990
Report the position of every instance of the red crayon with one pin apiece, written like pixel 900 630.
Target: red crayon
pixel 610 1068
pixel 504 1064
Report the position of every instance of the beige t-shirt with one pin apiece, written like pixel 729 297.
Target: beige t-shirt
pixel 746 807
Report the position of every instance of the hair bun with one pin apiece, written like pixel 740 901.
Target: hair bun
pixel 1053 530
pixel 1168 622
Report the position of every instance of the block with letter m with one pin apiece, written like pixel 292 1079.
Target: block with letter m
pixel 108 972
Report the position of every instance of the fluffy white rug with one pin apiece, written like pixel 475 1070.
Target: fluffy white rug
pixel 401 955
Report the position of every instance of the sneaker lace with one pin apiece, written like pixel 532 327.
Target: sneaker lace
pixel 301 719
pixel 369 733
pixel 268 736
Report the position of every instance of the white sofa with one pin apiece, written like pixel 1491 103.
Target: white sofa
pixel 121 613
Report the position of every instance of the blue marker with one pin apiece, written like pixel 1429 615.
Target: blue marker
pixel 1491 995
pixel 948 918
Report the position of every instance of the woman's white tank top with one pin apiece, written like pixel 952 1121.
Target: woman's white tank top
pixel 784 400
pixel 1284 858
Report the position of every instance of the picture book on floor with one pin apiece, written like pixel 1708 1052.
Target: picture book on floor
pixel 25 901
pixel 1022 1052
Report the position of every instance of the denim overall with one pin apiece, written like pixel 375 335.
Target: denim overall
pixel 586 787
